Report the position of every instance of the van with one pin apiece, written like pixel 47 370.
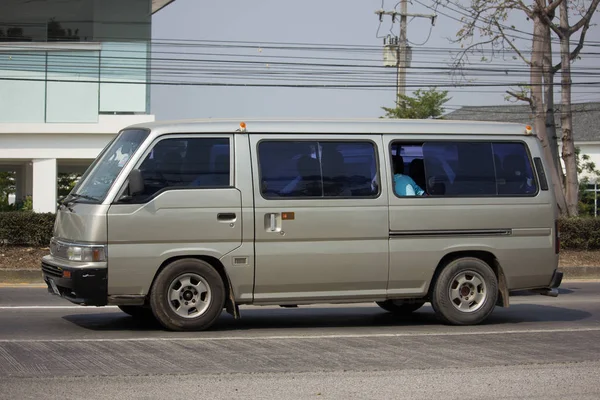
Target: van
pixel 179 221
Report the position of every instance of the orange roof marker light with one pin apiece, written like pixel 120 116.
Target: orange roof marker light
pixel 242 127
pixel 528 130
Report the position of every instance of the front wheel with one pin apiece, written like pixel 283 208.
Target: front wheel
pixel 400 307
pixel 465 292
pixel 187 295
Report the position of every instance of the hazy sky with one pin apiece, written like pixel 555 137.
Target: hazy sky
pixel 340 22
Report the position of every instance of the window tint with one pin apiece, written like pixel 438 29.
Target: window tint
pixel 514 169
pixel 186 163
pixel 466 168
pixel 318 169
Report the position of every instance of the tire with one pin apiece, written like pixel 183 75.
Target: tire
pixel 138 312
pixel 400 307
pixel 188 295
pixel 450 299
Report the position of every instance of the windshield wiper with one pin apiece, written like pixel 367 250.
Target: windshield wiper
pixel 72 198
pixel 83 196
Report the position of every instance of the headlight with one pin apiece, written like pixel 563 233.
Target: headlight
pixel 77 252
pixel 86 253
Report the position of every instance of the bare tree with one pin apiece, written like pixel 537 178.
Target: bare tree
pixel 564 31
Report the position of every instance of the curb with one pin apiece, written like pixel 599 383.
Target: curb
pixel 34 276
pixel 25 276
pixel 592 272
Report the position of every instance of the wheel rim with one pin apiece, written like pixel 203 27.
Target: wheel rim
pixel 189 295
pixel 468 291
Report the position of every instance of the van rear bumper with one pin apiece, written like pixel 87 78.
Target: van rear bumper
pixel 556 279
pixel 84 286
pixel 552 289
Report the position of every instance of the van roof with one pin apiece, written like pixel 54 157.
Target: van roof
pixel 339 126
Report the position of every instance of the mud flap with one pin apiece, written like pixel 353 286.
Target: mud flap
pixel 503 295
pixel 230 306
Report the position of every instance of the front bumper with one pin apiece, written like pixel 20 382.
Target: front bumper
pixel 84 285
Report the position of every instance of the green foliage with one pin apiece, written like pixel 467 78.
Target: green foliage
pixel 580 233
pixel 7 186
pixel 586 199
pixel 66 183
pixel 424 104
pixel 26 228
pixel 27 205
pixel 7 183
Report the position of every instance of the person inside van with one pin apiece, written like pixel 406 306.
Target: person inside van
pixel 404 185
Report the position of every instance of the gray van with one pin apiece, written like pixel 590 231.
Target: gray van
pixel 180 220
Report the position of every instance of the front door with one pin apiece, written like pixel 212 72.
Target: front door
pixel 321 217
pixel 189 207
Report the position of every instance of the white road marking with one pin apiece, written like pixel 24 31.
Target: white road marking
pixel 53 307
pixel 308 337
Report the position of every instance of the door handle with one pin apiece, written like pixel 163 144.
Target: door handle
pixel 226 217
pixel 271 222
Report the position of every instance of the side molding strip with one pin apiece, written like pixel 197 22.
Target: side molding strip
pixel 453 232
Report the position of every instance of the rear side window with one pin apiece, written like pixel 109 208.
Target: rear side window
pixel 186 163
pixel 318 169
pixel 466 168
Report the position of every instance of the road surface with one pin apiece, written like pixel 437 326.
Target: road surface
pixel 541 347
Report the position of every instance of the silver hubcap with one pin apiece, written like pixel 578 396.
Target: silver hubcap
pixel 468 291
pixel 189 295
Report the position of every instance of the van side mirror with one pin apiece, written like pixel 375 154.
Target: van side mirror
pixel 136 182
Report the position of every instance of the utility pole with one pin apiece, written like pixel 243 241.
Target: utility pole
pixel 401 47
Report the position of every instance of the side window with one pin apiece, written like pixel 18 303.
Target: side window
pixel 513 168
pixel 186 163
pixel 312 169
pixel 462 169
pixel 465 168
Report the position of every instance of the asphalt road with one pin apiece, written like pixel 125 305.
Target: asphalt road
pixel 541 347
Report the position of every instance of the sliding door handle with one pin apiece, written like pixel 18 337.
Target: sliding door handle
pixel 226 217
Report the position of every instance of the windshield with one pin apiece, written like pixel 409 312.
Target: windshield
pixel 96 182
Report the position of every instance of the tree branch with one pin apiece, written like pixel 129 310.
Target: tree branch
pixel 510 43
pixel 585 20
pixel 576 50
pixel 552 6
pixel 521 6
pixel 559 32
pixel 471 47
pixel 520 97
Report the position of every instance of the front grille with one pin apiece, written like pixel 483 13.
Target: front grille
pixel 52 270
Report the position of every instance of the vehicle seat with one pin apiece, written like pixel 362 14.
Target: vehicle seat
pixel 309 184
pixel 416 170
pixel 514 173
pixel 334 175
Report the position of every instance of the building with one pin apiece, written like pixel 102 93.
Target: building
pixel 72 74
pixel 586 122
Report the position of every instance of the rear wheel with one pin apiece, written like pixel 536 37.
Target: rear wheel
pixel 465 292
pixel 138 312
pixel 187 295
pixel 400 307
